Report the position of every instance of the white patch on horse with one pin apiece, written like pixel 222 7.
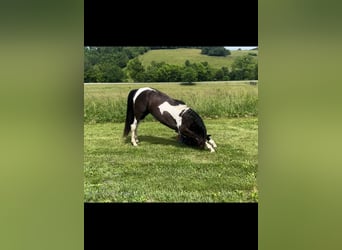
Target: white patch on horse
pixel 174 111
pixel 139 92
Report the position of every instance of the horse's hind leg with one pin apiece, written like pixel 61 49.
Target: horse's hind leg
pixel 134 135
pixel 138 116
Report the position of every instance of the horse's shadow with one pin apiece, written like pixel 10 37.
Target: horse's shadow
pixel 149 139
pixel 156 140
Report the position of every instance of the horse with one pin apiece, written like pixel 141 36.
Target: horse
pixel 173 113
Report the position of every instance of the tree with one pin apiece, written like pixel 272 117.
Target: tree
pixel 189 75
pixel 219 75
pixel 109 59
pixel 93 74
pixel 225 71
pixel 244 68
pixel 155 72
pixel 111 73
pixel 215 51
pixel 136 70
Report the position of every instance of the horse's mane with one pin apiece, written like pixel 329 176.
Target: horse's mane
pixel 199 127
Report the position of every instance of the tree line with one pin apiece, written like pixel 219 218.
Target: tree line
pixel 121 64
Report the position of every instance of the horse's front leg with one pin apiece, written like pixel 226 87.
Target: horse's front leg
pixel 210 147
pixel 211 142
pixel 134 135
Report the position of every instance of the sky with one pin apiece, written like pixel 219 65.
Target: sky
pixel 241 47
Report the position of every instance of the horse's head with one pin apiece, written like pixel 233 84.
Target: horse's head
pixel 192 140
pixel 199 141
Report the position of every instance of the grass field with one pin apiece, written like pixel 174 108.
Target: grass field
pixel 179 56
pixel 162 170
pixel 107 102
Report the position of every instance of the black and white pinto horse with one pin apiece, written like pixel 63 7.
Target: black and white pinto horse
pixel 173 113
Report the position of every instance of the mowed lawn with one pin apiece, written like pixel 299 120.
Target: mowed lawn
pixel 162 170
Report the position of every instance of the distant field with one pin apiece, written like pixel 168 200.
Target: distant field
pixel 179 56
pixel 107 102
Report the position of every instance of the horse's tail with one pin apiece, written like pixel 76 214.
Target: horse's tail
pixel 129 112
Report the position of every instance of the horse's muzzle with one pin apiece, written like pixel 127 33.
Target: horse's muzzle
pixel 211 145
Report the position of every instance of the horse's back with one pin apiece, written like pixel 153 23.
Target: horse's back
pixel 141 91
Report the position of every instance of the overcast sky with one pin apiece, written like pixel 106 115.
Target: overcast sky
pixel 241 47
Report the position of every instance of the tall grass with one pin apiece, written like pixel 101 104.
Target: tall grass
pixel 107 103
pixel 104 110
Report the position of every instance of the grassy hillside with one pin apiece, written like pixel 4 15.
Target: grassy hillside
pixel 179 56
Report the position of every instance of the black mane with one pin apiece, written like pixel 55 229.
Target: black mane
pixel 196 125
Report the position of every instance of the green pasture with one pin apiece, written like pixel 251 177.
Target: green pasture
pixel 161 169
